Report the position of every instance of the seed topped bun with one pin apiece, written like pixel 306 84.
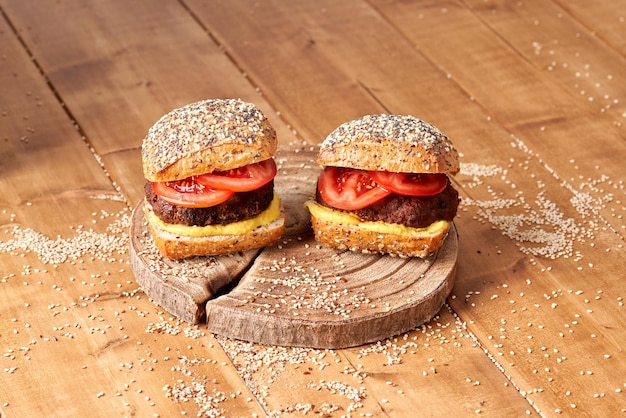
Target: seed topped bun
pixel 394 143
pixel 206 136
pixel 209 172
pixel 385 187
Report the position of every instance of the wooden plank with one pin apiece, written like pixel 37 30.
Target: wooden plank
pixel 306 67
pixel 602 19
pixel 524 98
pixel 405 376
pixel 119 67
pixel 564 51
pixel 77 337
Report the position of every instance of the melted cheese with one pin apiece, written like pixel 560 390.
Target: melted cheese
pixel 266 217
pixel 336 216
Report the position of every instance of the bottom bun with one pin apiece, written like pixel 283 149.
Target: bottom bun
pixel 177 246
pixel 354 238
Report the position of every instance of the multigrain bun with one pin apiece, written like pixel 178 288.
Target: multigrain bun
pixel 177 246
pixel 209 135
pixel 354 238
pixel 192 142
pixel 395 143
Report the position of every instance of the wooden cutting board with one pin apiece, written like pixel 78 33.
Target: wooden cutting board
pixel 297 292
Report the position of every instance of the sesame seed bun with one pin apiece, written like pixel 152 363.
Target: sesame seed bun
pixel 199 138
pixel 353 238
pixel 394 143
pixel 209 135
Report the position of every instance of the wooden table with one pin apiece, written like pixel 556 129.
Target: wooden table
pixel 533 94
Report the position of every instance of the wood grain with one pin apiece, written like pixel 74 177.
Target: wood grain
pixel 301 294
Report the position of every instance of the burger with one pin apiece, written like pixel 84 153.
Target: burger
pixel 385 187
pixel 209 172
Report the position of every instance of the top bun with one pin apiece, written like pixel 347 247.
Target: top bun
pixel 395 143
pixel 210 135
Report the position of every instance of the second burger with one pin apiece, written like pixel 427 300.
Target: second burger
pixel 210 180
pixel 385 187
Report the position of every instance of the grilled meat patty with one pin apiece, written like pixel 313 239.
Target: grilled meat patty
pixel 240 206
pixel 412 211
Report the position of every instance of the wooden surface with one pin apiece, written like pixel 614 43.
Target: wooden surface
pixel 533 94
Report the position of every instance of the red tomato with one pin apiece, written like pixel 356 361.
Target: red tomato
pixel 349 189
pixel 190 194
pixel 214 188
pixel 242 179
pixel 408 184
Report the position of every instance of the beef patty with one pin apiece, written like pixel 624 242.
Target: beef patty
pixel 240 206
pixel 413 211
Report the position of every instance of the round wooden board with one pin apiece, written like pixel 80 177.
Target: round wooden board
pixel 301 294
pixel 297 292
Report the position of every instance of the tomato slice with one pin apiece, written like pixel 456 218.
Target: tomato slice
pixel 189 193
pixel 217 187
pixel 242 179
pixel 349 189
pixel 409 184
